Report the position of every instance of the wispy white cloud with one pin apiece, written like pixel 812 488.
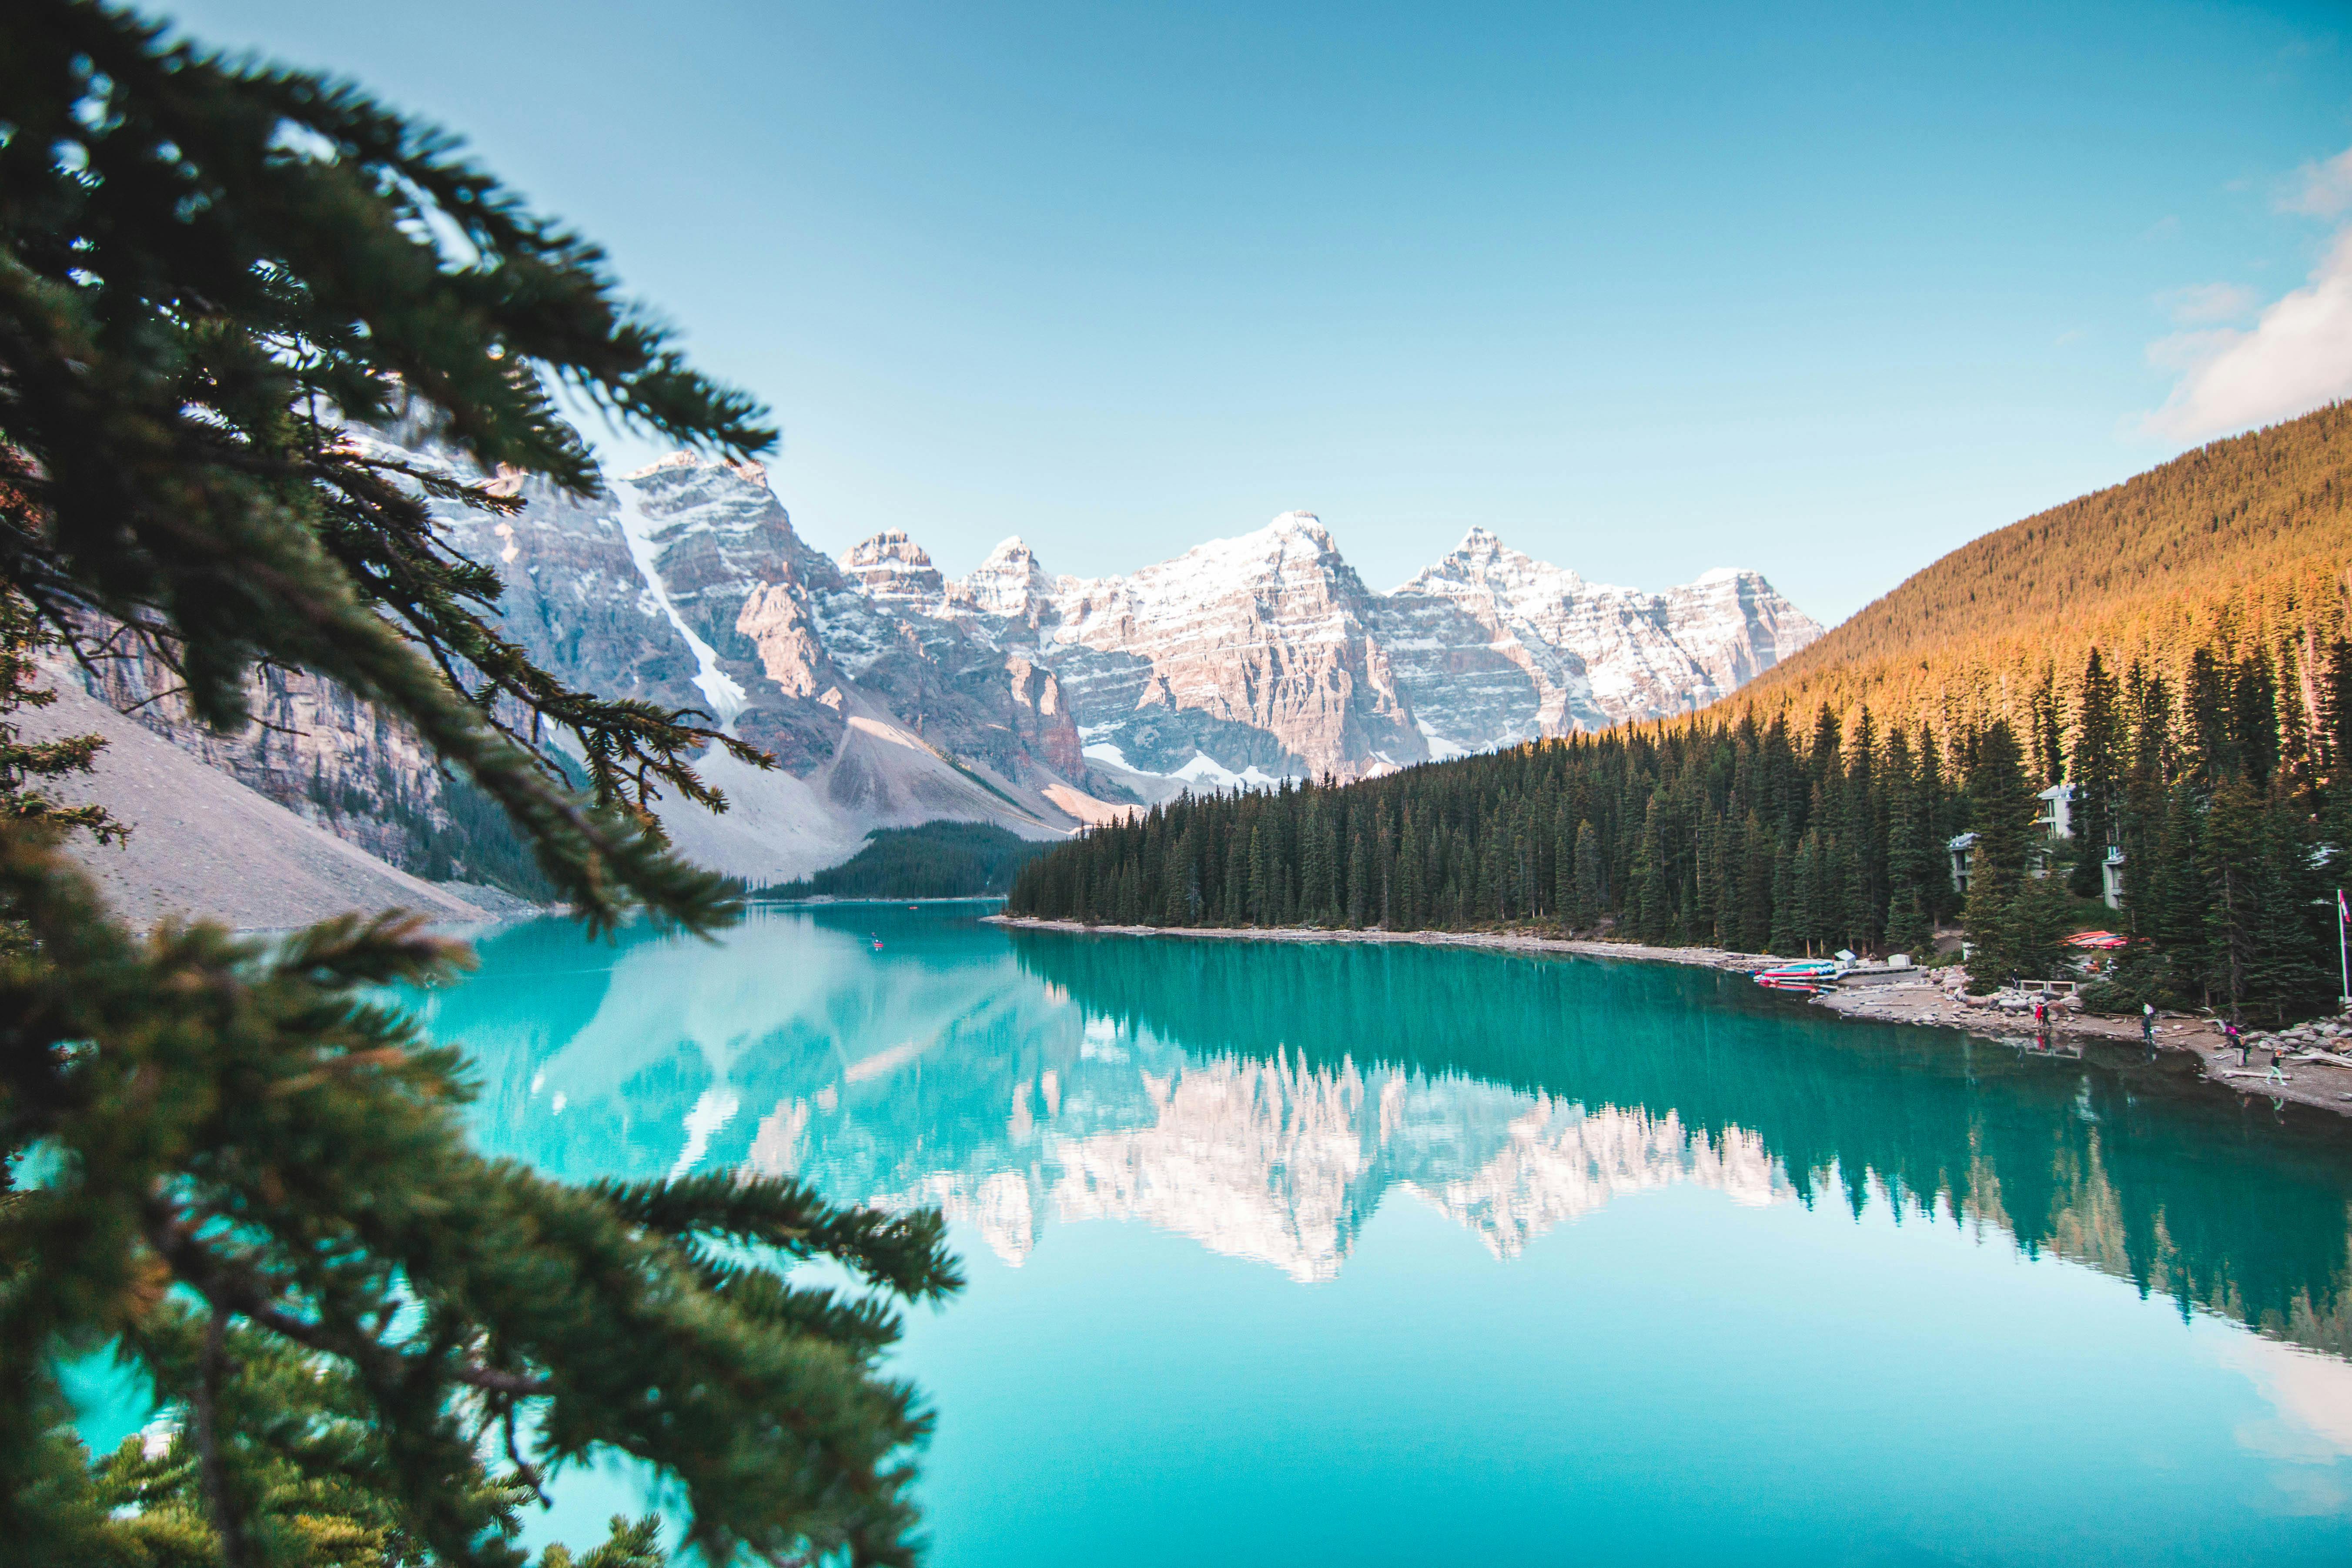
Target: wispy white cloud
pixel 2207 302
pixel 2297 356
pixel 2323 190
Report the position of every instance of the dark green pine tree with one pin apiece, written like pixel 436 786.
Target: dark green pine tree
pixel 1730 860
pixel 2097 768
pixel 1784 934
pixel 2292 971
pixel 1262 896
pixel 2334 739
pixel 2255 718
pixel 1591 897
pixel 1863 838
pixel 1914 858
pixel 1652 882
pixel 2002 805
pixel 2232 859
pixel 1237 876
pixel 2146 796
pixel 1805 894
pixel 2207 701
pixel 1945 814
pixel 265 1197
pixel 1757 881
pixel 1359 880
pixel 2049 759
pixel 2174 915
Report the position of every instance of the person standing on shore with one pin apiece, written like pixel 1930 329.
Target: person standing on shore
pixel 2147 1027
pixel 2233 1036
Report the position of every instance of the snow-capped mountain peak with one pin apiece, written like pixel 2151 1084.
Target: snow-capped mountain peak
pixel 892 567
pixel 1483 563
pixel 1011 584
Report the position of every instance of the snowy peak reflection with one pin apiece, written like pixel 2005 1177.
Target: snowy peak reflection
pixel 944 1072
pixel 1280 1163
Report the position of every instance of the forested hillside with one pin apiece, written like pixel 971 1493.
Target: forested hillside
pixel 2172 648
pixel 2240 544
pixel 934 861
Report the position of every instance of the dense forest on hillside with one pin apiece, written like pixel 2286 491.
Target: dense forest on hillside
pixel 2210 748
pixel 2239 545
pixel 934 861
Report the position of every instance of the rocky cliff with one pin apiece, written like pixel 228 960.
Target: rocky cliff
pixel 1251 659
pixel 891 694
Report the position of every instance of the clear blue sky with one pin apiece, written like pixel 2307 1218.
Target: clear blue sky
pixel 1821 289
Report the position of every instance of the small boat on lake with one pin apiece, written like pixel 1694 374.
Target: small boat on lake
pixel 1811 975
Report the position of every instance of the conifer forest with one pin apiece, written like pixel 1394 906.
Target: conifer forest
pixel 2220 784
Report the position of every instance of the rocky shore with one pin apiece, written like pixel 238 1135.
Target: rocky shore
pixel 2314 1059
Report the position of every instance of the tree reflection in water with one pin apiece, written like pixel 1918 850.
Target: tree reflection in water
pixel 1267 1098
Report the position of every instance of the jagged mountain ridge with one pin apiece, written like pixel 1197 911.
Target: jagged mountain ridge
pixel 891 694
pixel 1267 653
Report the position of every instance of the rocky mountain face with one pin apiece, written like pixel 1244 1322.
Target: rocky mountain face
pixel 891 694
pixel 1251 659
pixel 1495 646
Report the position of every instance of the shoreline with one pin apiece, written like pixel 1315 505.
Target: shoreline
pixel 817 898
pixel 1921 996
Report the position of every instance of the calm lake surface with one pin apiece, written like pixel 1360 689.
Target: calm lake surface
pixel 1364 1254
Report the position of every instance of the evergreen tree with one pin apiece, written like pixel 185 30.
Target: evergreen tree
pixel 2145 798
pixel 2232 861
pixel 2049 747
pixel 2175 914
pixel 2002 806
pixel 2097 769
pixel 1359 880
pixel 2034 927
pixel 2289 972
pixel 1942 811
pixel 252 1174
pixel 1756 885
pixel 1592 892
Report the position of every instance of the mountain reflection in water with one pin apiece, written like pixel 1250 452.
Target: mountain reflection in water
pixel 1266 1098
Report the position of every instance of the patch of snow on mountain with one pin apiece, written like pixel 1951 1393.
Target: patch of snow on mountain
pixel 1439 747
pixel 727 697
pixel 1205 769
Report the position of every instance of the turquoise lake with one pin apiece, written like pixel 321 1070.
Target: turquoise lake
pixel 1385 1254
